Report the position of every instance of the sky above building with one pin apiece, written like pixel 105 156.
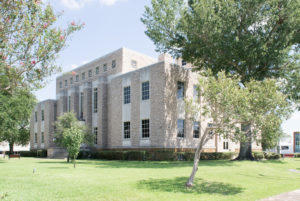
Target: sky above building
pixel 109 25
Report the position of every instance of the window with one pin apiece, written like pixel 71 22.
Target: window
pixel 183 63
pixel 284 148
pixel 43 117
pixel 71 80
pixel 225 145
pixel 180 128
pixel 83 76
pixel 196 93
pixel 209 125
pixel 35 138
pixel 126 129
pixel 66 83
pixel 81 105
pixel 196 129
pixel 180 90
pixel 77 78
pixel 126 95
pixel 145 128
pixel 97 70
pixel 145 91
pixel 42 138
pixel 133 64
pixel 104 67
pixel 90 73
pixel 113 63
pixel 35 116
pixel 96 135
pixel 69 103
pixel 95 100
pixel 60 84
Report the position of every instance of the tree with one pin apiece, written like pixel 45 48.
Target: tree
pixel 29 43
pixel 71 134
pixel 15 112
pixel 253 39
pixel 230 106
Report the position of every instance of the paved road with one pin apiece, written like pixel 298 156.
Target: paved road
pixel 290 196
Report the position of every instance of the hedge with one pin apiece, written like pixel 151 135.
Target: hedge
pixel 297 155
pixel 258 155
pixel 34 153
pixel 271 156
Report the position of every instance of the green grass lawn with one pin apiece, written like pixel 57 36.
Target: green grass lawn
pixel 133 180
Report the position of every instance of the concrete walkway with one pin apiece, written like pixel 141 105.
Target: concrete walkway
pixel 290 196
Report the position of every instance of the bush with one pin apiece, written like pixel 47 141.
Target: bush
pixel 34 153
pixel 271 156
pixel 135 155
pixel 297 155
pixel 258 155
pixel 108 155
pixel 217 156
pixel 163 155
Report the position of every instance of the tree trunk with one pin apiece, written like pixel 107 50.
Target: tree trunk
pixel 246 147
pixel 190 181
pixel 11 147
pixel 74 162
pixel 68 158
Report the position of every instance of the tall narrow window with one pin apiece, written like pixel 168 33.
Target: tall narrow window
pixel 35 138
pixel 81 105
pixel 42 138
pixel 126 129
pixel 196 129
pixel 196 93
pixel 104 67
pixel 90 73
pixel 183 63
pixel 95 100
pixel 71 80
pixel 60 84
pixel 66 83
pixel 97 70
pixel 180 90
pixel 77 78
pixel 145 128
pixel 69 103
pixel 113 63
pixel 126 95
pixel 35 116
pixel 43 117
pixel 225 145
pixel 83 76
pixel 145 91
pixel 180 128
pixel 95 135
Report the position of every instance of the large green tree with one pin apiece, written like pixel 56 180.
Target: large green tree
pixel 15 112
pixel 71 134
pixel 231 106
pixel 29 43
pixel 254 39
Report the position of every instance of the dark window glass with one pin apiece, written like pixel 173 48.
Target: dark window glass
pixel 97 70
pixel 96 135
pixel 196 129
pixel 81 105
pixel 126 95
pixel 60 84
pixel 95 100
pixel 126 130
pixel 35 116
pixel 145 128
pixel 180 128
pixel 35 137
pixel 43 117
pixel 77 78
pixel 145 90
pixel 83 76
pixel 113 63
pixel 66 83
pixel 71 80
pixel 180 90
pixel 104 67
pixel 69 103
pixel 225 145
pixel 90 73
pixel 183 63
pixel 42 138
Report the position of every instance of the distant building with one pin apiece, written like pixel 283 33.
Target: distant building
pixel 5 147
pixel 296 142
pixel 129 101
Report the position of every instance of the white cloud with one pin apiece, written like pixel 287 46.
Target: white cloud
pixel 77 4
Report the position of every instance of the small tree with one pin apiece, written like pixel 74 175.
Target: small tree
pixel 229 105
pixel 15 112
pixel 71 134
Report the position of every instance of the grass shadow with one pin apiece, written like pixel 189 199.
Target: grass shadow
pixel 57 168
pixel 200 186
pixel 273 161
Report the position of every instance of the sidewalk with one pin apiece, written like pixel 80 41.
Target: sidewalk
pixel 289 196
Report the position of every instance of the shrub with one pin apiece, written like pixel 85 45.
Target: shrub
pixel 258 155
pixel 271 156
pixel 135 155
pixel 217 156
pixel 297 155
pixel 34 153
pixel 160 155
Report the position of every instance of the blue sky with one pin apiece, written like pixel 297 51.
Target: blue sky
pixel 109 25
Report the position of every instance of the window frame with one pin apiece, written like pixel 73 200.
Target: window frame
pixel 180 130
pixel 145 91
pixel 83 76
pixel 77 78
pixel 126 96
pixel 105 67
pixel 42 137
pixel 113 63
pixel 95 100
pixel 43 115
pixel 126 130
pixel 145 131
pixel 196 124
pixel 35 138
pixel 180 90
pixel 90 73
pixel 95 135
pixel 97 70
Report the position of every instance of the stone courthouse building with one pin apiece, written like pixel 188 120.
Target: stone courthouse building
pixel 130 101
